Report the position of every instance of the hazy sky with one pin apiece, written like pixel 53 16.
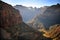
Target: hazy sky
pixel 33 3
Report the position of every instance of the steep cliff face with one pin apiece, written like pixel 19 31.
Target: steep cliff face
pixel 11 23
pixel 8 15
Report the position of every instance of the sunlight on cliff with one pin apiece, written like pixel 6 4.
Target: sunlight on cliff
pixel 46 34
pixel 53 32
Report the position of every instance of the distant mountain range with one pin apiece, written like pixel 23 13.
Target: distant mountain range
pixel 28 13
pixel 49 17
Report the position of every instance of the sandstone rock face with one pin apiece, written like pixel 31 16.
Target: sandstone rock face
pixel 8 15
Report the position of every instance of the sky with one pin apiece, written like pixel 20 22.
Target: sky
pixel 32 3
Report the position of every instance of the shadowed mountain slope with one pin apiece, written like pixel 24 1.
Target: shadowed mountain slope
pixel 50 16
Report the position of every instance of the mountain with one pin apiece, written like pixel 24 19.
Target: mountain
pixel 50 16
pixel 12 26
pixel 29 12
